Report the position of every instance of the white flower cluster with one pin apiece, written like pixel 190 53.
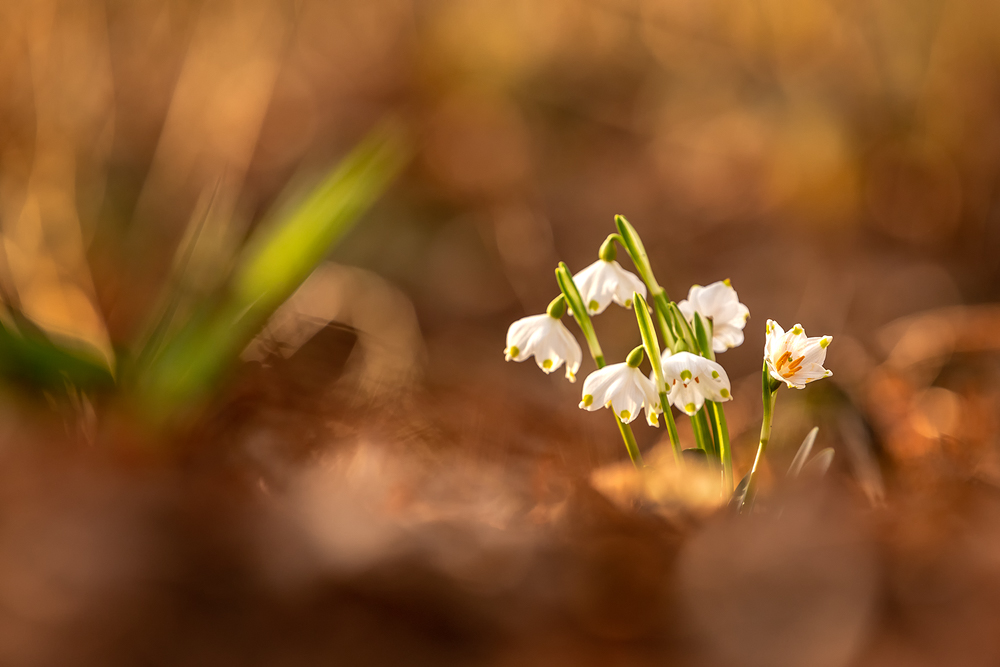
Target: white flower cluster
pixel 709 321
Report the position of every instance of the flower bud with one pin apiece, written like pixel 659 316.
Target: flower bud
pixel 609 250
pixel 557 308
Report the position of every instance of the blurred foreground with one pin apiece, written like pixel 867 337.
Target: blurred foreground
pixel 369 482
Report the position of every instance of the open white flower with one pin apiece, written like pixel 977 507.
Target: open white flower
pixel 624 389
pixel 605 281
pixel 720 303
pixel 691 380
pixel 792 357
pixel 547 339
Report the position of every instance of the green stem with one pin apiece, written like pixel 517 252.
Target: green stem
pixel 705 331
pixel 630 444
pixel 575 301
pixel 637 252
pixel 702 435
pixel 726 452
pixel 662 306
pixel 652 347
pixel 572 294
pixel 668 417
pixel 768 396
pixel 713 424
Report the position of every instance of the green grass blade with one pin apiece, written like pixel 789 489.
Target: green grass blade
pixel 803 454
pixel 30 358
pixel 274 263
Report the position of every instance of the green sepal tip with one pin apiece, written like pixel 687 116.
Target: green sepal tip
pixel 557 308
pixel 609 251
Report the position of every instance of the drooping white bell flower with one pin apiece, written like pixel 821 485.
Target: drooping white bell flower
pixel 691 380
pixel 624 389
pixel 720 303
pixel 547 339
pixel 794 358
pixel 605 281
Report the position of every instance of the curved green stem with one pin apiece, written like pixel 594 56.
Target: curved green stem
pixel 768 396
pixel 662 308
pixel 652 346
pixel 703 435
pixel 668 417
pixel 572 294
pixel 725 450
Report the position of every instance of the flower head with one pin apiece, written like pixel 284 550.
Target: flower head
pixel 605 281
pixel 547 338
pixel 624 389
pixel 720 303
pixel 691 380
pixel 793 358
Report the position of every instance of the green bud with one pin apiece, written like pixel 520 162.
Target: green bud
pixel 633 245
pixel 635 357
pixel 557 308
pixel 649 340
pixel 608 249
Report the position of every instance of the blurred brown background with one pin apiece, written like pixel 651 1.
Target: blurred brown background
pixel 838 161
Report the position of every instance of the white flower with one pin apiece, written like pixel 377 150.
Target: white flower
pixel 624 389
pixel 718 302
pixel 548 339
pixel 793 358
pixel 691 380
pixel 605 281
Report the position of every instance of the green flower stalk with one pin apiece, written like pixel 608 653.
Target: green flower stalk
pixel 717 414
pixel 637 251
pixel 769 388
pixel 595 393
pixel 790 358
pixel 652 347
pixel 579 312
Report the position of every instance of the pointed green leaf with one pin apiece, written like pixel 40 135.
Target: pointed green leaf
pixel 803 454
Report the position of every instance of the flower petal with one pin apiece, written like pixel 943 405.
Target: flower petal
pixel 628 400
pixel 719 303
pixel 714 382
pixel 590 282
pixel 625 285
pixel 725 336
pixel 686 398
pixel 603 282
pixel 596 387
